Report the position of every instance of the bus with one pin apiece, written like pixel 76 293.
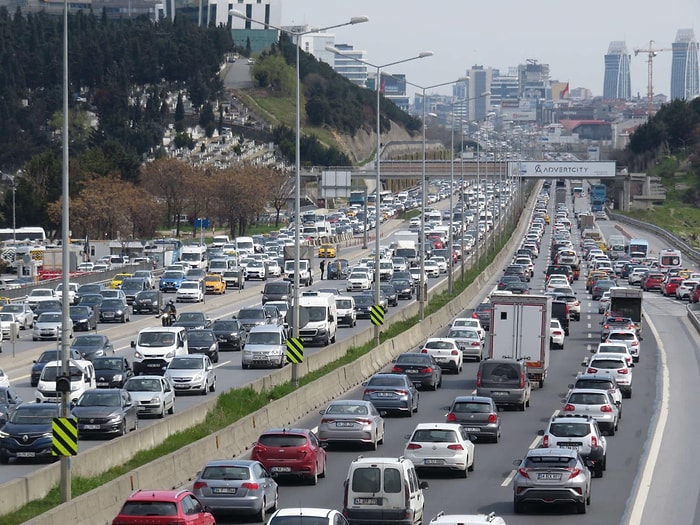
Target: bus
pixel 638 248
pixel 33 234
pixel 670 258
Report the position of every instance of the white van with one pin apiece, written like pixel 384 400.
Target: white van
pixel 265 346
pixel 323 318
pixel 219 240
pixel 345 308
pixel 82 378
pixel 195 255
pixel 156 346
pixel 383 490
pixel 245 246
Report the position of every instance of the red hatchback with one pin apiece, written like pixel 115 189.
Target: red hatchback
pixel 652 281
pixel 163 507
pixel 695 294
pixel 670 285
pixel 291 452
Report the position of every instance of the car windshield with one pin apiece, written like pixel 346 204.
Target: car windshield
pixel 49 318
pixel 341 408
pixel 252 314
pixel 7 317
pixel 607 364
pixel 38 416
pixel 587 398
pixel 440 345
pixel 107 363
pixel 231 326
pixel 316 313
pixel 191 316
pixel 463 334
pixel 602 384
pixel 173 275
pixel 264 338
pixel 13 308
pixel 198 337
pixel 87 340
pixel 276 288
pixel 99 399
pixel 413 359
pixel 156 339
pixel 112 303
pixel 620 336
pixel 137 384
pixel 573 430
pixel 41 293
pixel 186 363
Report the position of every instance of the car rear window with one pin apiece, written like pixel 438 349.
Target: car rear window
pixel 616 336
pixel 500 371
pixel 569 429
pixel 594 383
pixel 549 461
pixel 226 472
pixel 385 381
pixel 418 359
pixel 471 407
pixel 587 398
pixel 282 440
pixel 149 508
pixel 434 435
pixel 607 364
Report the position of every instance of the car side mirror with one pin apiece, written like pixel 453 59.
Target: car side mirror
pixel 132 344
pixel 424 485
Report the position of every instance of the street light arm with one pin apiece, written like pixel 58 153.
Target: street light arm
pixel 336 51
pixel 353 21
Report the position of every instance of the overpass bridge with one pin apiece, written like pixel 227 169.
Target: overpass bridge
pixel 413 169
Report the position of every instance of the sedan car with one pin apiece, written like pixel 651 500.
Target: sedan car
pixel 351 421
pixel 363 305
pixel 469 342
pixel 307 515
pixel 190 292
pixel 193 320
pixel 441 446
pixel 83 318
pixel 23 314
pixel 192 373
pixel 446 352
pixel 291 452
pixel 112 371
pixel 389 292
pixel 105 412
pixel 115 311
pixel 147 301
pixel 236 487
pixel 422 369
pixel 230 333
pixel 49 325
pixel 552 476
pixel 391 392
pixel 556 334
pixel 358 280
pixel 27 433
pixel 47 306
pixel 404 288
pixel 153 395
pixel 477 414
pixel 90 346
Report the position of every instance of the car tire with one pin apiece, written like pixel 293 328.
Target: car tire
pixel 463 473
pixel 373 445
pixel 313 480
pixel 161 415
pixel 260 514
pixel 136 424
pixel 205 389
pixel 171 410
pixel 518 507
pixel 521 407
pixel 598 471
pixel 4 458
pixel 212 388
pixel 244 366
pixel 611 431
pixel 275 503
pixel 470 468
pixel 581 508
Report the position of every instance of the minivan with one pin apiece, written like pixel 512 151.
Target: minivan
pixel 383 490
pixel 265 346
pixel 277 291
pixel 156 346
pixel 505 381
pixel 82 378
pixel 345 310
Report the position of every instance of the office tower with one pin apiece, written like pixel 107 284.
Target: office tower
pixel 344 65
pixel 616 82
pixel 684 66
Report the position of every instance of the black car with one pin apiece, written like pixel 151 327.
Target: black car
pixel 517 288
pixel 505 280
pixel 250 317
pixel 193 320
pixel 114 311
pixel 92 345
pixel 27 433
pixel 47 306
pixel 519 270
pixel 483 313
pixel 147 301
pixel 363 305
pixel 112 371
pixel 338 269
pixel 230 333
pixel 105 412
pixel 203 341
pixel 403 287
pixel 45 357
pixel 560 310
pixel 93 300
pixel 390 293
pixel 422 369
pixel 277 291
pixel 9 401
pixel 83 318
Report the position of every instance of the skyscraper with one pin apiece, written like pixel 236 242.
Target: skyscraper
pixel 616 83
pixel 684 67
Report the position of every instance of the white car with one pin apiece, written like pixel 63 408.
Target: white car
pixel 189 291
pixel 431 268
pixel 256 270
pixel 4 380
pixel 72 292
pixel 614 348
pixel 616 366
pixel 38 295
pixel 358 280
pixel 556 334
pixel 629 338
pixel 685 289
pixel 9 325
pixel 442 446
pixel 274 269
pixel 23 314
pixel 147 275
pixel 557 282
pixel 470 323
pixel 603 302
pixel 441 263
pixel 446 352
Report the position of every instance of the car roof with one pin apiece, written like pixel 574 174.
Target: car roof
pixel 146 495
pixel 543 452
pixel 445 426
pixel 305 511
pixel 473 399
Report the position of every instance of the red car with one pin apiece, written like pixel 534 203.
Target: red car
pixel 291 452
pixel 166 507
pixel 669 287
pixel 652 281
pixel 695 294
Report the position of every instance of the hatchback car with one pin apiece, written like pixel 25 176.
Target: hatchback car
pixel 105 412
pixel 600 382
pixel 191 373
pixel 446 352
pixel 552 476
pixel 629 338
pixel 307 516
pixel 90 346
pixel 190 291
pixel 49 325
pixel 598 404
pixel 441 446
pixel 83 318
pixel 230 333
pixel 111 371
pixel 652 281
pixel 615 366
pixel 153 395
pixel 505 381
pixel 351 421
pixel 203 341
pixel 581 433
pixel 477 414
pixel 146 301
pixel 163 506
pixel 422 369
pixel 685 289
pixel 236 487
pixel 291 452
pixel 391 392
pixel 469 342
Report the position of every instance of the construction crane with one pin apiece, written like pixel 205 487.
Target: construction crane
pixel 651 53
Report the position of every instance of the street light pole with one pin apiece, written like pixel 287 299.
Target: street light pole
pixel 378 180
pixel 450 247
pixel 297 165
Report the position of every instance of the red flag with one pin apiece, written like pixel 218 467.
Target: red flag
pixel 382 87
pixel 565 91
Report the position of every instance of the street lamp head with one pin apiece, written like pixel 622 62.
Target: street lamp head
pixel 334 50
pixel 486 94
pixel 463 79
pixel 358 20
pixel 425 54
pixel 237 14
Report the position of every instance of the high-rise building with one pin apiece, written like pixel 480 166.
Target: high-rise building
pixel 247 33
pixel 684 67
pixel 344 65
pixel 616 82
pixel 504 86
pixel 479 83
pixel 533 80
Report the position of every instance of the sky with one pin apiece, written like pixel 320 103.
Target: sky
pixel 571 37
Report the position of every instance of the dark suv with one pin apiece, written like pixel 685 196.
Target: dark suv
pixel 560 310
pixel 483 313
pixel 505 381
pixel 277 291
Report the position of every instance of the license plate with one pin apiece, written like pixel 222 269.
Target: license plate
pixel 344 424
pixel 433 461
pixel 181 386
pixel 568 445
pixel 26 454
pixel 499 393
pixel 102 384
pixel 384 394
pixel 92 427
pixel 224 490
pixel 307 339
pixel 548 476
pixel 367 501
pixel 473 429
pixel 153 365
pixel 281 469
pixel 441 359
pixel 411 371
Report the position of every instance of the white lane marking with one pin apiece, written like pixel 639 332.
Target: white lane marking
pixel 644 485
pixel 534 444
pixel 222 363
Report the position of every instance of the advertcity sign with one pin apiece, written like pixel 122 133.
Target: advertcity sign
pixel 562 170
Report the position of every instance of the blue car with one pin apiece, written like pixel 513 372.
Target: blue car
pixel 171 280
pixel 27 433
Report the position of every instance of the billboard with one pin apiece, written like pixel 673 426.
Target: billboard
pixel 562 170
pixel 336 183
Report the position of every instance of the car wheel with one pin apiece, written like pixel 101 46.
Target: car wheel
pixel 171 410
pixel 373 444
pixel 212 388
pixel 521 407
pixel 275 503
pixel 244 366
pixel 136 424
pixel 4 458
pixel 260 515
pixel 122 428
pixel 323 472
pixel 581 508
pixel 161 415
pixel 611 431
pixel 463 473
pixel 313 480
pixel 518 507
pixel 598 470
pixel 205 389
pixel 471 467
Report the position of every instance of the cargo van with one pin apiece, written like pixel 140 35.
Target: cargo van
pixel 323 318
pixel 245 246
pixel 156 346
pixel 82 378
pixel 345 306
pixel 383 490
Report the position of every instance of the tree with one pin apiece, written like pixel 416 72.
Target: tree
pixel 167 180
pixel 281 186
pixel 179 114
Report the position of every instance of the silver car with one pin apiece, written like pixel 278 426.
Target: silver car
pixel 351 421
pixel 49 325
pixel 469 341
pixel 552 476
pixel 153 395
pixel 236 486
pixel 192 373
pixel 598 404
pixel 23 314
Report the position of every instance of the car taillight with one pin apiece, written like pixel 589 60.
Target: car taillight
pixel 199 485
pixel 606 326
pixel 475 343
pixel 492 418
pixel 396 369
pixel 369 391
pixel 455 447
pixel 478 379
pixel 545 441
pixel 475 315
pixel 451 417
pixel 250 486
pixel 591 370
pixel 635 343
pixel 523 472
pixel 454 352
pixel 574 472
pixel 522 380
pixel 427 370
pixel 413 446
pixel 606 408
pixel 569 407
pixel 424 351
pixel 326 420
pixel 623 371
pixel 401 392
pixel 594 442
pixel 364 420
pixel 556 332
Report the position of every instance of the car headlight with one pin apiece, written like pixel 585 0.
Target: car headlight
pixel 4 434
pixel 197 377
pixel 154 400
pixel 117 377
pixel 73 387
pixel 47 435
pixel 138 355
pixel 82 321
pixel 170 354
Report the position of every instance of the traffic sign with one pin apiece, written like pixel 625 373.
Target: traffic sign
pixel 376 314
pixel 65 436
pixel 295 350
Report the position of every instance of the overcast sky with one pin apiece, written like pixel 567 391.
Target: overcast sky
pixel 571 37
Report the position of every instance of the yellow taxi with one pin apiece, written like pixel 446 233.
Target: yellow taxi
pixel 594 276
pixel 327 250
pixel 546 218
pixel 215 283
pixel 5 300
pixel 116 281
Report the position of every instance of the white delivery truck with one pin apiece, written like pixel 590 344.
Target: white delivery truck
pixel 520 330
pixel 195 255
pixel 323 318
